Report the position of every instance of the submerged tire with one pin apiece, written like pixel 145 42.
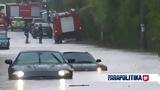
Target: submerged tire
pixel 58 40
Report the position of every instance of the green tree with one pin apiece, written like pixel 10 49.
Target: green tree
pixel 127 33
pixel 153 24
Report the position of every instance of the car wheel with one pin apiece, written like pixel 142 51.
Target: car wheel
pixel 78 37
pixel 58 40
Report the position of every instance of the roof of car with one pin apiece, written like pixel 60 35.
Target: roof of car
pixel 38 51
pixel 75 52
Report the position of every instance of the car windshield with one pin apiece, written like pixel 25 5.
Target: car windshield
pixel 79 57
pixel 39 58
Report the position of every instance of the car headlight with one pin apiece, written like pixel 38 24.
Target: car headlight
pixel 63 72
pixel 19 73
pixel 99 69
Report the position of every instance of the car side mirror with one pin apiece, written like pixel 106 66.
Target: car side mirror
pixel 98 60
pixel 9 61
pixel 71 60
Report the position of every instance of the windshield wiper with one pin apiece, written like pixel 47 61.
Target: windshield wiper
pixel 56 58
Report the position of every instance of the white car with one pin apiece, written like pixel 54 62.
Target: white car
pixel 47 30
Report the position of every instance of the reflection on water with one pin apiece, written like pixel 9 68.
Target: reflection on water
pixel 20 85
pixel 58 84
pixel 62 84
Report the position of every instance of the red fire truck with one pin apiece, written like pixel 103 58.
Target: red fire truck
pixel 25 10
pixel 66 25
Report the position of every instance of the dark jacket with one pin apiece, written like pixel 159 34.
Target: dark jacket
pixel 26 30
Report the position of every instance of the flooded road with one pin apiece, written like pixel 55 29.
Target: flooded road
pixel 117 61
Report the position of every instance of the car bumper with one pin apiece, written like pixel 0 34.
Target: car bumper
pixel 89 67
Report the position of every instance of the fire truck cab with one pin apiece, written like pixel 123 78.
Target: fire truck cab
pixel 3 21
pixel 66 25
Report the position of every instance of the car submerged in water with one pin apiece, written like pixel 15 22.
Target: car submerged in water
pixel 39 65
pixel 84 61
pixel 46 28
pixel 4 40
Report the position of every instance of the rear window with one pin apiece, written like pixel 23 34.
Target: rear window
pixel 79 57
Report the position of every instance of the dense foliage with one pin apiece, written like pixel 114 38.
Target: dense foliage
pixel 119 20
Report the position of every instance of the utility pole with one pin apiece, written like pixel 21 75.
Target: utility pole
pixel 142 26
